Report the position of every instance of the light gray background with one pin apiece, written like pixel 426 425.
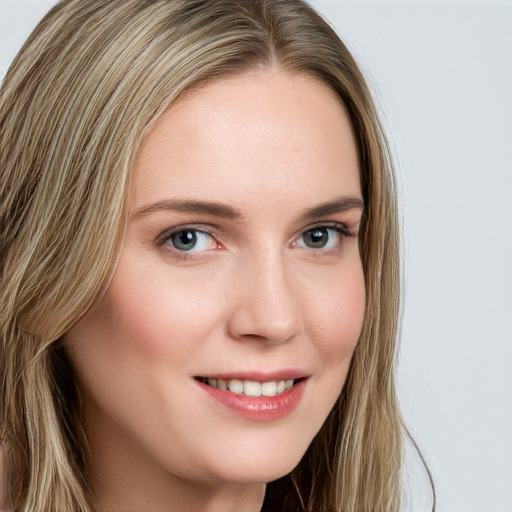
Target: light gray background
pixel 441 72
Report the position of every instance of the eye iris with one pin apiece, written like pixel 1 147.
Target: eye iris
pixel 316 238
pixel 184 240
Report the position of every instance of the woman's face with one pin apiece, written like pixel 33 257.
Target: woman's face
pixel 240 265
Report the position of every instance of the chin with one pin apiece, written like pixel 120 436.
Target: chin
pixel 260 465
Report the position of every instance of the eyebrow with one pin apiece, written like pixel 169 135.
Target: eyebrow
pixel 339 205
pixel 192 206
pixel 229 212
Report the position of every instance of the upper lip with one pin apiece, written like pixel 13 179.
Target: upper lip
pixel 259 376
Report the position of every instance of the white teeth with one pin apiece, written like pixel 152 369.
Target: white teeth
pixel 268 388
pixel 252 387
pixel 236 386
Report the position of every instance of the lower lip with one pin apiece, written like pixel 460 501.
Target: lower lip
pixel 258 408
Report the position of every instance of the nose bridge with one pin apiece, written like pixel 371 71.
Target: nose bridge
pixel 268 304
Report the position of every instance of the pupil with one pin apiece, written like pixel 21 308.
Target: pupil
pixel 316 238
pixel 185 240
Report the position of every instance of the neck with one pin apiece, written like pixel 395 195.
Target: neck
pixel 182 497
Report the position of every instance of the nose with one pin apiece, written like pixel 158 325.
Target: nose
pixel 267 302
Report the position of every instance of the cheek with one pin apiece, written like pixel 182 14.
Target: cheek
pixel 335 316
pixel 136 330
pixel 157 313
pixel 335 324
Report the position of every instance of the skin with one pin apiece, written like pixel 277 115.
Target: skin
pixel 251 296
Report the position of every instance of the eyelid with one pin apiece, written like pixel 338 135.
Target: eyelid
pixel 341 227
pixel 165 235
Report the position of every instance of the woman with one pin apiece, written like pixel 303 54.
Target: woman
pixel 200 265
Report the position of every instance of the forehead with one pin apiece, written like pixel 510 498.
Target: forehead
pixel 243 138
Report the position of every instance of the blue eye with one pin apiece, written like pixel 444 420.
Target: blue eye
pixel 189 240
pixel 321 238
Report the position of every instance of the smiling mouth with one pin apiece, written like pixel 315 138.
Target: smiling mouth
pixel 251 387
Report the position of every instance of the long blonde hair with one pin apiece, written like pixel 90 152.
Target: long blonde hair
pixel 89 83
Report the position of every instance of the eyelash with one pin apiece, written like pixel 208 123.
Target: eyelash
pixel 339 228
pixel 166 235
